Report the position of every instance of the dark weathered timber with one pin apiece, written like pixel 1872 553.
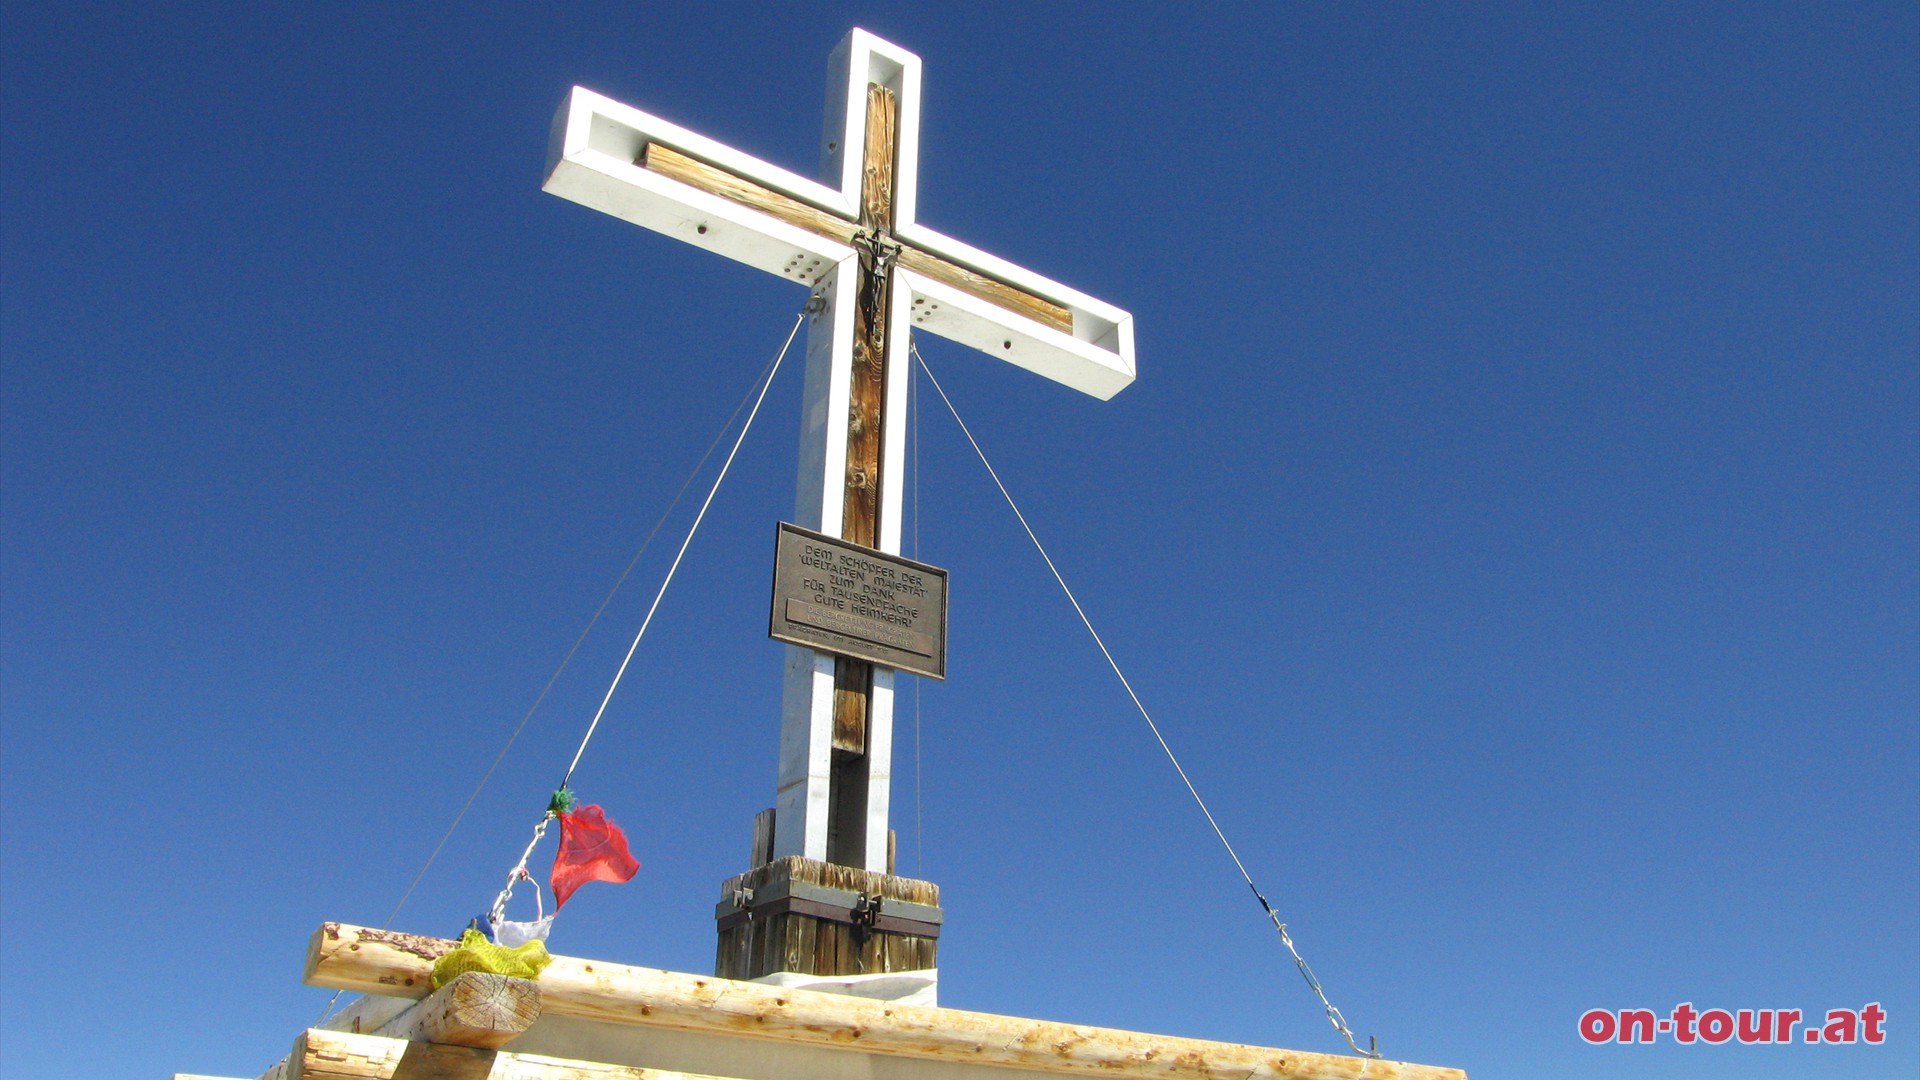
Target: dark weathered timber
pixel 762 838
pixel 847 805
pixel 870 360
pixel 818 946
pixel 860 505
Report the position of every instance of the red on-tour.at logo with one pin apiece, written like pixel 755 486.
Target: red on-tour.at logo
pixel 1748 1027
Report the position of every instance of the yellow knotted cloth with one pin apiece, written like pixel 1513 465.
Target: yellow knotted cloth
pixel 476 953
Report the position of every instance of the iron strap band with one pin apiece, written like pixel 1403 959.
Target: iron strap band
pixel 821 894
pixel 796 905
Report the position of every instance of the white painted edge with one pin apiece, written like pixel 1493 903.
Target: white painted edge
pixel 879 762
pixel 1094 321
pixel 1037 347
pixel 859 59
pixel 806 709
pixel 806 748
pixel 920 986
pixel 622 130
pixel 611 186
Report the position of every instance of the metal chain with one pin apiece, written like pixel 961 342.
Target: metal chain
pixel 1334 1017
pixel 519 872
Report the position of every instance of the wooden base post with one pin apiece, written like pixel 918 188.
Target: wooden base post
pixel 815 918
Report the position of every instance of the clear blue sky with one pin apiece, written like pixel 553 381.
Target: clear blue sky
pixel 1515 524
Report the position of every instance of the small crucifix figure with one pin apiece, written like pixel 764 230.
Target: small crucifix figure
pixel 877 274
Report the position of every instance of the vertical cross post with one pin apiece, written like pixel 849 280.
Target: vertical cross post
pixel 851 775
pixel 837 715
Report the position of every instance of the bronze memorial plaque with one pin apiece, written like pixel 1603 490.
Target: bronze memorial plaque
pixel 853 601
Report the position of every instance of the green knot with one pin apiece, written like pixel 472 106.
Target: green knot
pixel 563 802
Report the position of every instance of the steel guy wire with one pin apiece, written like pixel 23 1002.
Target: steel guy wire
pixel 913 427
pixel 766 376
pixel 772 370
pixel 1334 1016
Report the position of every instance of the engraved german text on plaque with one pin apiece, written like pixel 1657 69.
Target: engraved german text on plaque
pixel 853 601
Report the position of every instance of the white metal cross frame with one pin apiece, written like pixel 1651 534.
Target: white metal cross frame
pixel 638 167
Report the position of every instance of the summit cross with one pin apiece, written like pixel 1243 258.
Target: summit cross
pixel 876 274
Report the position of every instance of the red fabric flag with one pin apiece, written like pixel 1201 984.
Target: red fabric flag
pixel 591 849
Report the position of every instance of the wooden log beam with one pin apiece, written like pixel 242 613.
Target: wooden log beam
pixel 382 962
pixel 476 1009
pixel 319 1054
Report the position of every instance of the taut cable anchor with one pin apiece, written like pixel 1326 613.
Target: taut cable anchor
pixel 765 385
pixel 1334 1015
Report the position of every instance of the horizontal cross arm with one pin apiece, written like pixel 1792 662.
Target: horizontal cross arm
pixel 645 170
pixel 665 160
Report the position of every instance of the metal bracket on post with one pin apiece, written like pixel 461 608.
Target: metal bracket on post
pixel 875 913
pixel 880 249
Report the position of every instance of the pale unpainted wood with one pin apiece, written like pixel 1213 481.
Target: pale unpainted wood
pixel 477 1008
pixel 376 961
pixel 319 1054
